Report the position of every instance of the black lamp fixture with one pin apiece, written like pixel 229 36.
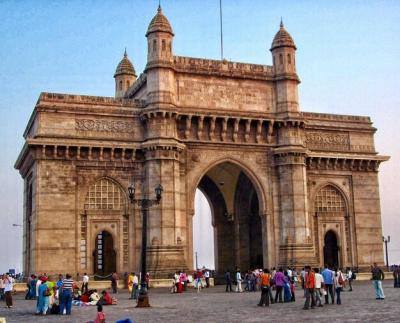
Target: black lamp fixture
pixel 144 204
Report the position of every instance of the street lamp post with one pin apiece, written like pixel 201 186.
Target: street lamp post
pixel 144 204
pixel 386 241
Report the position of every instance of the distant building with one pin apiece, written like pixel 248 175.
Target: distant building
pixel 285 187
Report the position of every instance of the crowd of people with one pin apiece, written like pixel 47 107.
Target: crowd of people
pixel 319 287
pixel 315 285
pixel 199 279
pixel 57 296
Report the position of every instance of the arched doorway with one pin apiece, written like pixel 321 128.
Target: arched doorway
pixel 234 204
pixel 104 255
pixel 331 249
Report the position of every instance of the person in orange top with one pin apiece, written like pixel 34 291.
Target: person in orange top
pixel 265 278
pixel 309 285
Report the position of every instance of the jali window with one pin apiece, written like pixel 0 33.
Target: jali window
pixel 104 195
pixel 329 199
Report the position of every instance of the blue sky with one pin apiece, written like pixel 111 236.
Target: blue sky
pixel 347 58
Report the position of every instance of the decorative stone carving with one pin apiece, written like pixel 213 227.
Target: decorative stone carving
pixel 104 125
pixel 326 140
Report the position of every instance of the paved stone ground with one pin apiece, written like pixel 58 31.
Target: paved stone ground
pixel 214 305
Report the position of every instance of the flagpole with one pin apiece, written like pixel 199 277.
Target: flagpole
pixel 220 20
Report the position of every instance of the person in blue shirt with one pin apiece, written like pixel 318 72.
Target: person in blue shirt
pixel 328 282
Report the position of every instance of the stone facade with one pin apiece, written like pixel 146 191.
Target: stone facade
pixel 286 187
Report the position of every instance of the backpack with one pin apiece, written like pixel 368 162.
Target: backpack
pixel 353 276
pixel 47 292
pixel 340 279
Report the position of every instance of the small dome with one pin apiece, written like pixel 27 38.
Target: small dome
pixel 159 23
pixel 125 66
pixel 282 39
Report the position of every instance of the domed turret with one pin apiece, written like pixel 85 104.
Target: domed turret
pixel 125 76
pixel 159 39
pixel 282 39
pixel 159 23
pixel 283 52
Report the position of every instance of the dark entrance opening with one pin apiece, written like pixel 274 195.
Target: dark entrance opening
pixel 235 218
pixel 104 255
pixel 331 249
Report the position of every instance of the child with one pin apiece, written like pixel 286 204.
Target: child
pixel 100 317
pixel 293 289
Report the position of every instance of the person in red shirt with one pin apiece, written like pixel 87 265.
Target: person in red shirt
pixel 100 317
pixel 309 285
pixel 105 298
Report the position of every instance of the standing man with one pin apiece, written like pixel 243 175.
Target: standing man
pixel 279 280
pixel 67 292
pixel 309 286
pixel 319 285
pixel 238 281
pixel 207 277
pixel 377 277
pixel 8 288
pixel 85 283
pixel 350 278
pixel 264 284
pixel 135 286
pixel 328 282
pixel 114 279
pixel 228 280
pixel 1 287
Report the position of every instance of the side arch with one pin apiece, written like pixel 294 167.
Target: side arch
pixel 331 212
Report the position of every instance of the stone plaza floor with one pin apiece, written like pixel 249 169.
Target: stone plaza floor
pixel 214 305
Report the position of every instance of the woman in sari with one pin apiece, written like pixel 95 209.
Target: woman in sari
pixel 43 294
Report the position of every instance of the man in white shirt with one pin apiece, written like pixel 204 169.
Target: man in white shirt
pixel 207 277
pixel 85 283
pixel 319 287
pixel 135 286
pixel 8 288
pixel 350 278
pixel 238 281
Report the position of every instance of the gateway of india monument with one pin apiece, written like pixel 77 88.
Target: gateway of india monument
pixel 285 187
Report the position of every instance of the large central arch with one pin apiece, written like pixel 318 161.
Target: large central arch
pixel 235 203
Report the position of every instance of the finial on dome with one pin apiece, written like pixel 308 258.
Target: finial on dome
pixel 159 6
pixel 125 54
pixel 281 24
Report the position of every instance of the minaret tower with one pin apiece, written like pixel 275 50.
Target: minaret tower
pixel 160 76
pixel 125 76
pixel 283 52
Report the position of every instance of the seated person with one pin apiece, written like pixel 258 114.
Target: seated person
pixel 85 298
pixel 105 299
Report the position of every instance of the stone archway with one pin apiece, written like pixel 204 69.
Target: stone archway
pixel 236 218
pixel 331 249
pixel 104 255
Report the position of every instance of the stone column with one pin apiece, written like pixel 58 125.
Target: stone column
pixel 166 222
pixel 295 239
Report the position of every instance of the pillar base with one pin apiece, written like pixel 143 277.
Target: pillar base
pixel 143 301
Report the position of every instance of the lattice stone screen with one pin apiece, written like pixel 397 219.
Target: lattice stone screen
pixel 329 199
pixel 104 195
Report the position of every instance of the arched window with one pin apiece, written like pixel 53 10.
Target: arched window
pixel 163 44
pixel 120 85
pixel 273 60
pixel 127 84
pixel 105 195
pixel 280 59
pixel 154 45
pixel 289 59
pixel 329 200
